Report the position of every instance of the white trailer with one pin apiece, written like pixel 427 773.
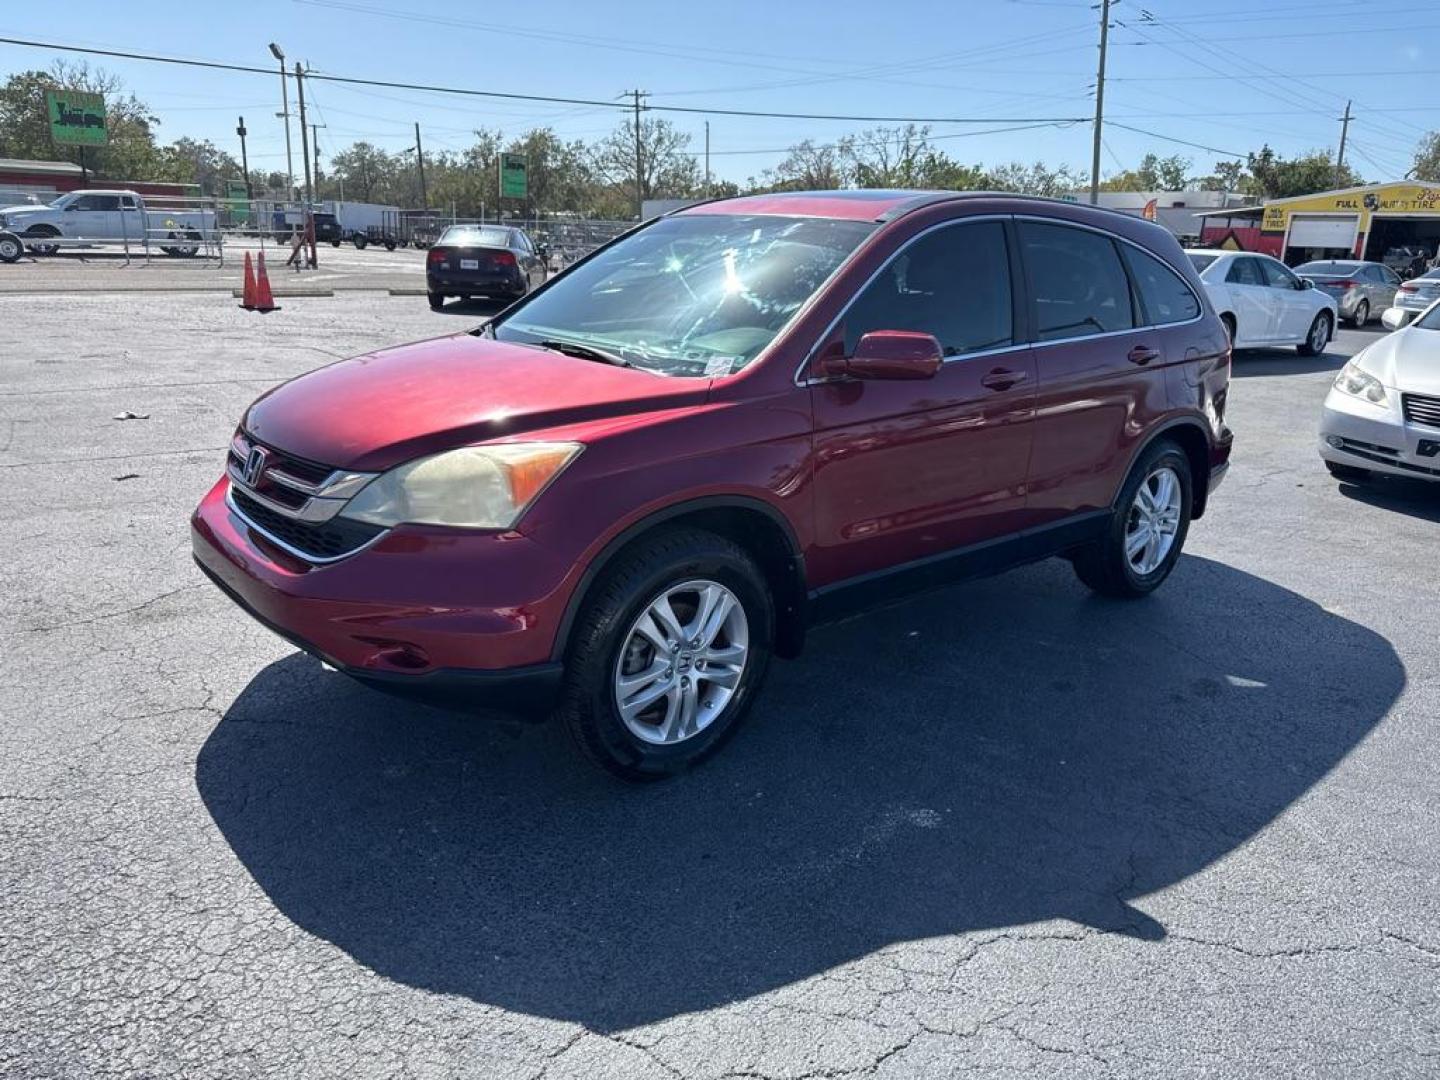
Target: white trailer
pixel 364 223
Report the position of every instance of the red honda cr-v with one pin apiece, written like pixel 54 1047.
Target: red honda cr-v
pixel 621 496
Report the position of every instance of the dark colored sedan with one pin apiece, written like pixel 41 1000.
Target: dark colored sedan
pixel 482 260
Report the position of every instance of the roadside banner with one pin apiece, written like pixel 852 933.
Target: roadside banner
pixel 77 119
pixel 514 176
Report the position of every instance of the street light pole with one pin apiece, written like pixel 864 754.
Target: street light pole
pixel 279 55
pixel 245 160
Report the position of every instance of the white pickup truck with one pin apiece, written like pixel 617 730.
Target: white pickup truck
pixel 108 217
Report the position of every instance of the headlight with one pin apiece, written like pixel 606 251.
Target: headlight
pixel 477 487
pixel 1358 383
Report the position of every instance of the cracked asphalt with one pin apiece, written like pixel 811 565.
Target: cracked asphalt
pixel 1008 829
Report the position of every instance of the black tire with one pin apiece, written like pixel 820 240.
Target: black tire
pixel 437 300
pixel 1349 473
pixel 587 704
pixel 1362 314
pixel 10 248
pixel 1103 565
pixel 1229 323
pixel 1306 348
pixel 389 245
pixel 360 242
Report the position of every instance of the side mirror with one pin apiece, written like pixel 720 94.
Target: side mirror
pixel 889 354
pixel 1393 319
pixel 1306 283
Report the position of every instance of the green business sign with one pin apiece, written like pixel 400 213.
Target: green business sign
pixel 514 176
pixel 77 119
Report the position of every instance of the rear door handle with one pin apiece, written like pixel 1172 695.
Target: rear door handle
pixel 1142 355
pixel 1002 379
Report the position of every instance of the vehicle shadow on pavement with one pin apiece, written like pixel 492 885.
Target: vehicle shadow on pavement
pixel 1418 498
pixel 1003 752
pixel 1249 363
pixel 478 308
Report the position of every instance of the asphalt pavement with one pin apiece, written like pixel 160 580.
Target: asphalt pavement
pixel 1007 829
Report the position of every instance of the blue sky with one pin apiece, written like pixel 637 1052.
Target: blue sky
pixel 1222 74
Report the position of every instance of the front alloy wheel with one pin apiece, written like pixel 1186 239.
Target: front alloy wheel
pixel 1153 521
pixel 682 660
pixel 669 650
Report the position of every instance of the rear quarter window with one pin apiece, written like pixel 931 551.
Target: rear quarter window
pixel 1164 295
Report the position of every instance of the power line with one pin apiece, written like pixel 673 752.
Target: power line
pixel 510 96
pixel 1182 142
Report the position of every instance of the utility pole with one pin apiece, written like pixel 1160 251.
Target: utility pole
pixel 305 155
pixel 315 145
pixel 1099 102
pixel 420 164
pixel 707 158
pixel 279 54
pixel 1340 157
pixel 639 156
pixel 244 159
pixel 304 133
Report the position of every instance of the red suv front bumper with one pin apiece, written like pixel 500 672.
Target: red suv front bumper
pixel 441 614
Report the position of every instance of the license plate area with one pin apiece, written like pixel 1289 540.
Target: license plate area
pixel 469 264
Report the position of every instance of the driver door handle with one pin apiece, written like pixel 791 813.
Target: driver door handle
pixel 1142 355
pixel 1002 379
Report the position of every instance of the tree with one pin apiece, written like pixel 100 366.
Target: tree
pixel 886 157
pixel 1276 178
pixel 667 168
pixel 188 161
pixel 807 167
pixel 369 173
pixel 1228 176
pixel 1427 158
pixel 25 122
pixel 1036 179
pixel 1154 174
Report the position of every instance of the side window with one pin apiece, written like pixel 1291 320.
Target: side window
pixel 1278 276
pixel 1163 293
pixel 523 242
pixel 953 283
pixel 127 202
pixel 1076 281
pixel 1244 272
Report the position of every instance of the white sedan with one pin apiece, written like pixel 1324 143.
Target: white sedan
pixel 1262 303
pixel 1383 413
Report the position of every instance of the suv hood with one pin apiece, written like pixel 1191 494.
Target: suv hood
pixel 376 411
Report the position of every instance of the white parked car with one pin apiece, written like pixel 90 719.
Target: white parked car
pixel 1262 303
pixel 1415 295
pixel 1383 413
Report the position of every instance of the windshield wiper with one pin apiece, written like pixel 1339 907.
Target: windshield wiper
pixel 585 352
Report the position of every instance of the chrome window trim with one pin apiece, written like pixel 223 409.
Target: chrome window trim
pixel 824 335
pixel 1041 219
pixel 303 556
pixel 1199 301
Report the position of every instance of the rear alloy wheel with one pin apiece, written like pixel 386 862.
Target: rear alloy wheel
pixel 1146 532
pixel 1318 337
pixel 1348 473
pixel 1362 314
pixel 437 300
pixel 668 654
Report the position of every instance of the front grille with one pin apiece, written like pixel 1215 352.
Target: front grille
pixel 1421 409
pixel 309 471
pixel 333 539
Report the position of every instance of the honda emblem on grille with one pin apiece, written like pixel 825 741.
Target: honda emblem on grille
pixel 255 465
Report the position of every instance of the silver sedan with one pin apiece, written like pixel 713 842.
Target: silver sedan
pixel 1360 289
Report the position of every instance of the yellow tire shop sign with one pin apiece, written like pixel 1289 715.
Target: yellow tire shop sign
pixel 1384 199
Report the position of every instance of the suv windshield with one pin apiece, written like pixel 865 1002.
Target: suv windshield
pixel 696 294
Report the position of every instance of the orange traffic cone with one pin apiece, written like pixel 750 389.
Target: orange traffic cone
pixel 264 300
pixel 247 294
